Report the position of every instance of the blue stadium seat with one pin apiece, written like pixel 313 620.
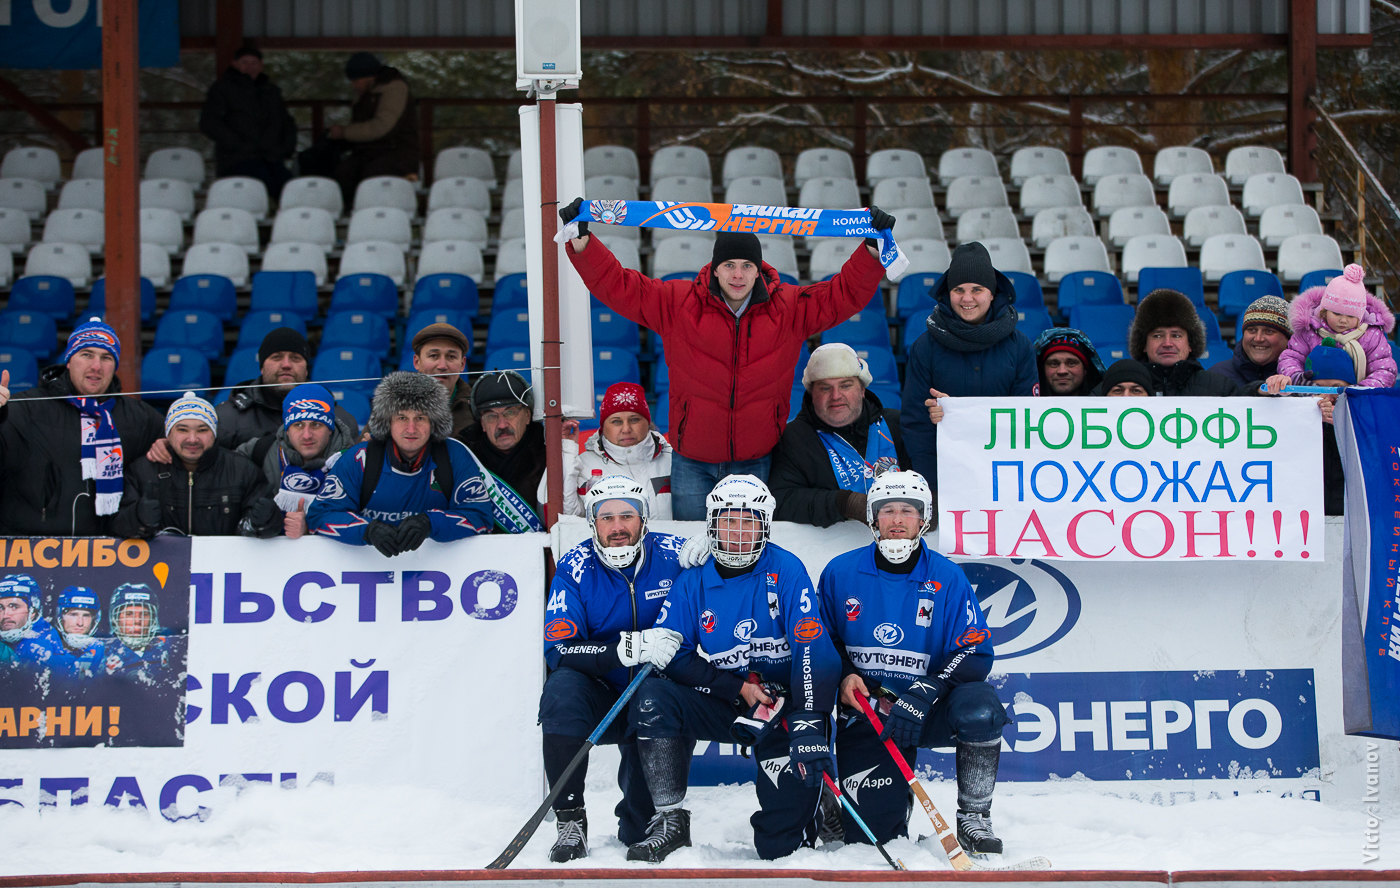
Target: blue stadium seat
pixel 365 292
pixel 421 318
pixel 1319 277
pixel 447 292
pixel 510 294
pixel 357 329
pixel 785 278
pixel 803 356
pixel 97 300
pixel 612 365
pixel 612 330
pixel 355 402
pixel 348 368
pixel 1086 288
pixel 884 369
pixel 889 395
pixel 167 372
pixel 660 376
pixel 293 291
pixel 661 414
pixel 914 327
pixel 508 329
pixel 1239 288
pixel 1215 351
pixel 213 293
pixel 1033 321
pixel 913 293
pixel 517 358
pixel 32 331
pixel 1028 292
pixel 1103 324
pixel 795 402
pixel 243 365
pixel 257 324
pixel 194 329
pixel 23 367
pixel 866 328
pixel 1184 280
pixel 44 292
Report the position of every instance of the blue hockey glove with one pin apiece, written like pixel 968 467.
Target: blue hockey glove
pixel 905 723
pixel 808 746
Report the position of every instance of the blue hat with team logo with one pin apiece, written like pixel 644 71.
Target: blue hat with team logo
pixel 311 401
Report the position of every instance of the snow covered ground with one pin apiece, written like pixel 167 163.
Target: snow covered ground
pixel 320 828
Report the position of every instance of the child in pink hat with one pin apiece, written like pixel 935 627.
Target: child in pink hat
pixel 1342 314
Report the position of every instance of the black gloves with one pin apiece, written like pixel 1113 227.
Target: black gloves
pixel 905 723
pixel 809 749
pixel 571 212
pixel 148 513
pixel 413 530
pixel 879 219
pixel 383 537
pixel 263 519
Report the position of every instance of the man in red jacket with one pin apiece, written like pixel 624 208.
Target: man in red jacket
pixel 732 337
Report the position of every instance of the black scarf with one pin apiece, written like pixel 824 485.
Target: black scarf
pixel 952 332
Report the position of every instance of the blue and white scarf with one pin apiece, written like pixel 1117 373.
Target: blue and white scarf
pixel 101 452
pixel 299 484
pixel 793 221
pixel 854 472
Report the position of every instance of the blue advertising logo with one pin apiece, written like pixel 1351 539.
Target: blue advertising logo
pixel 1028 610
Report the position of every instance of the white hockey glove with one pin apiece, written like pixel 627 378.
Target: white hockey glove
pixel 656 646
pixel 695 552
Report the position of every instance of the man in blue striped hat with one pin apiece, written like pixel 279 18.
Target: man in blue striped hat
pixel 66 444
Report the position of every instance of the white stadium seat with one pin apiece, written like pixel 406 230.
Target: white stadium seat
pixel 387 191
pixel 958 162
pixel 750 160
pixel 292 256
pixel 1041 192
pixel 1037 160
pixel 243 192
pixel 1129 222
pixel 15 231
pixel 893 195
pixel 90 163
pixel 61 260
pixel 984 222
pixel 1009 254
pixel 312 191
pixel 155 265
pixel 304 225
pixel 228 225
pixel 1302 253
pixel 173 194
pixel 1056 222
pixel 611 160
pixel 464 161
pixel 458 191
pixel 229 260
pixel 510 257
pixel 459 223
pixel 1189 190
pixel 682 188
pixel 32 162
pixel 823 163
pixel 83 194
pixel 1109 160
pixel 685 161
pixel 162 226
pixel 829 193
pixel 1224 253
pixel 26 195
pixel 176 163
pixel 1152 251
pixel 1246 160
pixel 85 228
pixel 894 163
pixel 610 187
pixel 389 224
pixel 452 257
pixel 687 253
pixel 1070 254
pixel 1202 222
pixel 765 191
pixel 1282 221
pixel 1264 190
pixel 970 192
pixel 1180 160
pixel 377 257
pixel 918 222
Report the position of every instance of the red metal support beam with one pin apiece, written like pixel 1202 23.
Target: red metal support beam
pixel 121 149
pixel 60 129
pixel 1302 85
pixel 228 32
pixel 551 351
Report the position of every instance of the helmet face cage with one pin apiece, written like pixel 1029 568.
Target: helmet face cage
pixel 898 487
pixel 751 498
pixel 616 487
pixel 24 587
pixel 139 596
pixel 77 598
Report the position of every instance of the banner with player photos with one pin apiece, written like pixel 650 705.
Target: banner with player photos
pixel 93 642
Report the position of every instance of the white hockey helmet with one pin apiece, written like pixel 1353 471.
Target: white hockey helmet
pixel 139 596
pixel 739 492
pixel 616 487
pixel 898 487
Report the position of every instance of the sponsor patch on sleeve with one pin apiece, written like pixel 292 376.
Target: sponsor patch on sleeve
pixel 807 630
pixel 560 629
pixel 971 637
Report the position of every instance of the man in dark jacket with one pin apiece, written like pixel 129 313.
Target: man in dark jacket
pixel 206 491
pixel 62 461
pixel 441 351
pixel 837 445
pixel 1068 362
pixel 252 131
pixel 383 128
pixel 254 408
pixel 508 442
pixel 1264 336
pixel 1168 336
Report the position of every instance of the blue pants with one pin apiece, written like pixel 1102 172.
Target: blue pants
pixel 571 706
pixel 692 481
pixel 871 780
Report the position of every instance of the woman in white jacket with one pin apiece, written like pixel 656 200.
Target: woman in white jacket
pixel 625 444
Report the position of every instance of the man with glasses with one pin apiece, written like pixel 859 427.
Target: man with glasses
pixel 506 440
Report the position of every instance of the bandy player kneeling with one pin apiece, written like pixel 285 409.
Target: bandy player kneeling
pixel 907 625
pixel 751 632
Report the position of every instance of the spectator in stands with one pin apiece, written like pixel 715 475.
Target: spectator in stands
pixel 293 459
pixel 410 481
pixel 1168 336
pixel 625 444
pixel 733 336
pixel 254 408
pixel 64 443
pixel 1126 379
pixel 1263 337
pixel 208 491
pixel 253 133
pixel 509 444
pixel 441 350
pixel 970 349
pixel 383 128
pixel 1068 362
pixel 840 441
pixel 1345 315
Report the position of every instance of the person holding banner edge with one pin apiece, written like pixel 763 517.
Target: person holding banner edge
pixel 733 336
pixel 599 627
pixel 910 632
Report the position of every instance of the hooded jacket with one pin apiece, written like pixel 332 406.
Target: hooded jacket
pixel 247 120
pixel 1093 367
pixel 1001 368
pixel 1308 333
pixel 648 462
pixel 801 477
pixel 731 377
pixel 42 491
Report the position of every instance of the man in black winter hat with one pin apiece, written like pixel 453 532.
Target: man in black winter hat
pixel 245 116
pixel 506 438
pixel 383 129
pixel 254 408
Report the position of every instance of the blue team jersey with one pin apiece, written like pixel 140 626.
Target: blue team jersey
pixel 899 627
pixel 591 602
pixel 157 664
pixel 30 649
pixel 462 512
pixel 66 664
pixel 766 621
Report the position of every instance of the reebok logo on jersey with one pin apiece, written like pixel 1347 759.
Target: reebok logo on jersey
pixel 852 609
pixel 807 630
pixel 707 621
pixel 560 629
pixel 924 615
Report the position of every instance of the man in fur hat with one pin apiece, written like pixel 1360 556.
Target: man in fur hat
pixel 1168 336
pixel 410 481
